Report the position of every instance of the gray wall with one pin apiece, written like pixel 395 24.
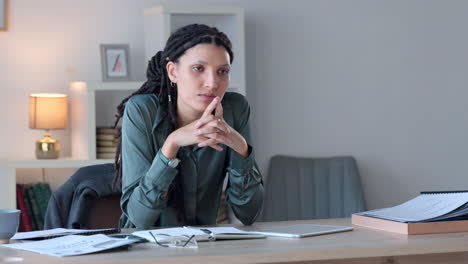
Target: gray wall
pixel 384 81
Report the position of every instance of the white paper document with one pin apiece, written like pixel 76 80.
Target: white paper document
pixel 54 232
pixel 425 207
pixel 72 245
pixel 40 233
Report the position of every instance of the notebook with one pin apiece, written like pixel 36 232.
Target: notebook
pixel 427 207
pixel 302 230
pixel 200 234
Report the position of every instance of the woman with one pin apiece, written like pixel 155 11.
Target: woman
pixel 181 134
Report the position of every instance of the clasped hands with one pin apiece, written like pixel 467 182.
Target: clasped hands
pixel 208 131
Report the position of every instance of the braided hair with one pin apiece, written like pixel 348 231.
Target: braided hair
pixel 158 83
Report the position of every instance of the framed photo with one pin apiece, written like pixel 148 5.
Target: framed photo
pixel 114 62
pixel 3 15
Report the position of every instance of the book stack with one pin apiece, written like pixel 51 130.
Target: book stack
pixel 32 200
pixel 107 140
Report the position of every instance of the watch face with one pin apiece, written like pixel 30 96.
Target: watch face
pixel 173 163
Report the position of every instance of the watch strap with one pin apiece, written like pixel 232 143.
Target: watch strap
pixel 166 160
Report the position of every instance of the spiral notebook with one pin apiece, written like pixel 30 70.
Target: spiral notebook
pixel 59 232
pixel 427 207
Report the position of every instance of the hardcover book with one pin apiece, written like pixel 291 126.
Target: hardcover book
pixel 29 206
pixel 26 225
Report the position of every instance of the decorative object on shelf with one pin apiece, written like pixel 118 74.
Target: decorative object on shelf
pixel 3 15
pixel 48 111
pixel 114 62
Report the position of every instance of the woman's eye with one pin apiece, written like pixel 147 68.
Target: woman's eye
pixel 223 72
pixel 197 68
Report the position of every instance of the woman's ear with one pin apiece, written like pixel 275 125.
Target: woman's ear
pixel 171 69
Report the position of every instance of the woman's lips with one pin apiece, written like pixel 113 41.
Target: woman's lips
pixel 207 97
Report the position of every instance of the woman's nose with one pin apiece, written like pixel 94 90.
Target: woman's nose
pixel 211 81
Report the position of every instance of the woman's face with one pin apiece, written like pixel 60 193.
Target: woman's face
pixel 201 74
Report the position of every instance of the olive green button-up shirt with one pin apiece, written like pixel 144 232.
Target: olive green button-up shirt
pixel 146 177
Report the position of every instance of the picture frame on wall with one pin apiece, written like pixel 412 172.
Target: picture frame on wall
pixel 3 15
pixel 114 62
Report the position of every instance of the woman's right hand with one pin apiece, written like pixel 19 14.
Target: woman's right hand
pixel 188 135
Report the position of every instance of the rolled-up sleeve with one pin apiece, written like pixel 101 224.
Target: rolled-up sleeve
pixel 245 187
pixel 145 176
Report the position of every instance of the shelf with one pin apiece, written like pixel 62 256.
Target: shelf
pixel 106 86
pixel 198 10
pixel 58 163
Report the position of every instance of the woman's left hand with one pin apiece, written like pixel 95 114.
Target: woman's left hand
pixel 217 131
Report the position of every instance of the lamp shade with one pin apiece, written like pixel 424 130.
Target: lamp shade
pixel 48 111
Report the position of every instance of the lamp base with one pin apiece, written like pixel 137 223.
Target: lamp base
pixel 47 148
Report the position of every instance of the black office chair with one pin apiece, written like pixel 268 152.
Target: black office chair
pixel 85 201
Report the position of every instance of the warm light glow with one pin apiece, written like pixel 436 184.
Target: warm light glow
pixel 48 111
pixel 78 85
pixel 48 95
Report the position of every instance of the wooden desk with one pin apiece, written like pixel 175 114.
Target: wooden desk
pixel 359 246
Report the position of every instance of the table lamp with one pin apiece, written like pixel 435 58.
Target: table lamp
pixel 48 111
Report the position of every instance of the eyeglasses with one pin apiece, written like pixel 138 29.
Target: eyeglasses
pixel 182 241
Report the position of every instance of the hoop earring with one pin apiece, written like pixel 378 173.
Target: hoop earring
pixel 172 84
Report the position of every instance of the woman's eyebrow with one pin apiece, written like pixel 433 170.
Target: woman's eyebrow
pixel 200 62
pixel 205 63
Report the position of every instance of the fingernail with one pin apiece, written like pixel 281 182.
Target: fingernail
pixel 197 124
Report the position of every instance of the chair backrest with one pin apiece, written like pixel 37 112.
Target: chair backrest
pixel 104 212
pixel 86 200
pixel 312 188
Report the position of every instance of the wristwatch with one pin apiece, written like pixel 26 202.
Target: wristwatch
pixel 171 163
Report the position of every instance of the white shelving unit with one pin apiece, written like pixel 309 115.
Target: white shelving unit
pixel 92 104
pixel 161 21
